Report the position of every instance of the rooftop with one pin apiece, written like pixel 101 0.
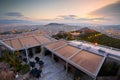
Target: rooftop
pixel 97 49
pixel 66 51
pixel 29 41
pixel 90 63
pixel 56 44
pixel 77 57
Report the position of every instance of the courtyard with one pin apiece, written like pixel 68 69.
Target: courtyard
pixel 51 71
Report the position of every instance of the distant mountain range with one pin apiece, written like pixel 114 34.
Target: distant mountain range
pixel 56 27
pixel 116 27
pixel 55 24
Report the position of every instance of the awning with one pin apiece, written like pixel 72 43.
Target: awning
pixel 56 44
pixel 26 42
pixel 86 61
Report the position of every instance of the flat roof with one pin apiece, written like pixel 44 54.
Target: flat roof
pixel 15 43
pixel 56 44
pixel 87 60
pixel 43 39
pixel 66 51
pixel 8 42
pixel 26 41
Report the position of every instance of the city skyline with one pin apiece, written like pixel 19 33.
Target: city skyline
pixel 61 11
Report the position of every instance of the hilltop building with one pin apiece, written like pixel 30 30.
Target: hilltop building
pixel 81 58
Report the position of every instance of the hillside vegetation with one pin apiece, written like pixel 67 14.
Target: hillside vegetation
pixel 90 36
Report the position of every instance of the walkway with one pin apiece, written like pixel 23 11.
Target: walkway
pixel 52 70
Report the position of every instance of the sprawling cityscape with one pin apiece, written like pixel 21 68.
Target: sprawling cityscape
pixel 59 40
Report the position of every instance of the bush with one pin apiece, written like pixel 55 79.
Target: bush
pixel 25 68
pixel 32 64
pixel 18 68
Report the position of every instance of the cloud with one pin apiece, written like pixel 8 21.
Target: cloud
pixel 92 19
pixel 14 14
pixel 5 21
pixel 67 17
pixel 111 11
pixel 76 18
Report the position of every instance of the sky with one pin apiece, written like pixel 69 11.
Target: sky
pixel 61 11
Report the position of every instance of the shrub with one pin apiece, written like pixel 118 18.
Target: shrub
pixel 25 68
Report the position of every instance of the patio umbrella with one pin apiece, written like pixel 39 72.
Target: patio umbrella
pixel 32 64
pixel 38 72
pixel 37 59
pixel 35 72
pixel 41 62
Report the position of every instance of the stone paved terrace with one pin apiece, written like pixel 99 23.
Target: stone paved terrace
pixel 51 70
